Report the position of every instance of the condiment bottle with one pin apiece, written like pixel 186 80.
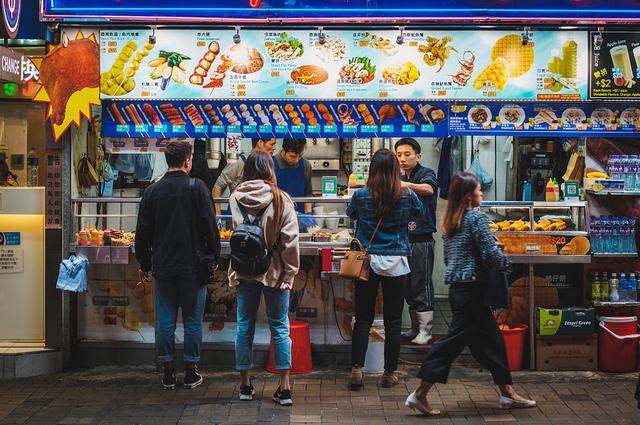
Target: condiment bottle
pixel 95 237
pixel 106 237
pixel 352 181
pixel 556 191
pixel 360 182
pixel 548 193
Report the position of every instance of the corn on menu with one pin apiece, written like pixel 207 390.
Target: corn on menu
pixel 343 64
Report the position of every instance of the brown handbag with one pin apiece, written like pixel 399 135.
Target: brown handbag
pixel 355 264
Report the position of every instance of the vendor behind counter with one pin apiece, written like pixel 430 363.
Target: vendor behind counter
pixel 293 172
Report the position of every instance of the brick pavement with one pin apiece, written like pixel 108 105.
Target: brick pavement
pixel 133 396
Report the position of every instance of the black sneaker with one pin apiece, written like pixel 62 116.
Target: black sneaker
pixel 247 393
pixel 169 379
pixel 192 378
pixel 283 397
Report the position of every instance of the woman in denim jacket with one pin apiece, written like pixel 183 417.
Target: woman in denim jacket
pixel 470 251
pixel 385 205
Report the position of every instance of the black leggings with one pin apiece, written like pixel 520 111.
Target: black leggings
pixel 472 325
pixel 393 300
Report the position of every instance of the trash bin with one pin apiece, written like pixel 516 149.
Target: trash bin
pixel 374 361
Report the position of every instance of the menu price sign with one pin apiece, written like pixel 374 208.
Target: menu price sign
pixel 53 194
pixel 11 260
pixel 615 65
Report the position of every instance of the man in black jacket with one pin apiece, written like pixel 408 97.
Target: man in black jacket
pixel 171 211
pixel 419 292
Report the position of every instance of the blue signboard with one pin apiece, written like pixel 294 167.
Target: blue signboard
pixel 281 118
pixel 80 10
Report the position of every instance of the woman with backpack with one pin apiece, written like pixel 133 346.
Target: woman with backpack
pixel 382 210
pixel 470 252
pixel 264 261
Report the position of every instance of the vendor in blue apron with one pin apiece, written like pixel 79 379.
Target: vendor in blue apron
pixel 293 172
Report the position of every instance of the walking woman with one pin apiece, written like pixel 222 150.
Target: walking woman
pixel 382 210
pixel 258 198
pixel 470 252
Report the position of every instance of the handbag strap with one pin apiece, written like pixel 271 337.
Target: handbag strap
pixel 375 231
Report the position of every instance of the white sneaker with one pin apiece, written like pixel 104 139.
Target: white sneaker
pixel 509 403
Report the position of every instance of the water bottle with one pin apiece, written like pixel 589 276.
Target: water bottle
pixel 604 287
pixel 614 296
pixel 595 236
pixel 633 288
pixel 622 288
pixel 622 237
pixel 32 168
pixel 631 235
pixel 634 248
pixel 632 170
pixel 612 167
pixel 605 233
pixel 624 166
pixel 637 176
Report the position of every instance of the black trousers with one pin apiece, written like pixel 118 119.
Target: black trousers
pixel 393 300
pixel 472 325
pixel 419 293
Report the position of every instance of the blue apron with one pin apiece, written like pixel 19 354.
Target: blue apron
pixel 291 180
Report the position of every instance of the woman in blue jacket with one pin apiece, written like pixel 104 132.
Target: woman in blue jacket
pixel 382 210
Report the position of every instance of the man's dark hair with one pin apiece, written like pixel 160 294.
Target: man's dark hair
pixel 294 145
pixel 409 142
pixel 177 153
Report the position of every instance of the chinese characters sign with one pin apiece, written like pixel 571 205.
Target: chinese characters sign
pixel 11 260
pixel 53 194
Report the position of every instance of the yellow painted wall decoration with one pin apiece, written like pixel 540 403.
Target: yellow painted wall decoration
pixel 70 77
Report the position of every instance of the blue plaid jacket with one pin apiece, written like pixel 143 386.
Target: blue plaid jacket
pixel 392 237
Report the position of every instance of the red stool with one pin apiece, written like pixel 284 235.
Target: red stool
pixel 300 350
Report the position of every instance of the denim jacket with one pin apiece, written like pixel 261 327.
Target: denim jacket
pixel 392 237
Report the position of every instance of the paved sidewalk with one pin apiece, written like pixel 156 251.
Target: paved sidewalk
pixel 133 396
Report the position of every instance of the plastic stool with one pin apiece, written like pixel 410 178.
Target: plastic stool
pixel 300 350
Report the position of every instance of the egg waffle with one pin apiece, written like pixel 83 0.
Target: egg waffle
pixel 519 57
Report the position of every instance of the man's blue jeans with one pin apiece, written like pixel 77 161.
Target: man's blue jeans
pixel 277 302
pixel 172 293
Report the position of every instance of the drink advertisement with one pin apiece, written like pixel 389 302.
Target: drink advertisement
pixel 310 64
pixel 615 65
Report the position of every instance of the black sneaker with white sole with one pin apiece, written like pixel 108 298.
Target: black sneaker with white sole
pixel 247 393
pixel 169 379
pixel 192 378
pixel 283 397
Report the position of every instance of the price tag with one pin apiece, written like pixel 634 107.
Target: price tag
pixel 313 129
pixel 330 129
pixel 201 128
pixel 369 128
pixel 387 128
pixel 265 129
pixel 217 129
pixel 250 129
pixel 122 128
pixel 282 129
pixel 178 129
pixel 427 128
pixel 142 128
pixel 298 129
pixel 234 129
pixel 160 128
pixel 349 128
pixel 408 128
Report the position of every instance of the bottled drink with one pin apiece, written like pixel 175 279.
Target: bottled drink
pixel 637 176
pixel 606 233
pixel 613 167
pixel 630 235
pixel 634 248
pixel 604 287
pixel 622 288
pixel 594 229
pixel 596 293
pixel 614 240
pixel 633 288
pixel 614 283
pixel 32 168
pixel 632 170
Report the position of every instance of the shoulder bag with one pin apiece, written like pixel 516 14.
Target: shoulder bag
pixel 205 263
pixel 355 264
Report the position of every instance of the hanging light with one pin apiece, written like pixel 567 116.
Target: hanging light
pixel 236 36
pixel 400 38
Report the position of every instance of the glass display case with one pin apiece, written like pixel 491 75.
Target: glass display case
pixel 118 308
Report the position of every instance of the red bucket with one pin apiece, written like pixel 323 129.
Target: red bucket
pixel 301 362
pixel 618 344
pixel 514 340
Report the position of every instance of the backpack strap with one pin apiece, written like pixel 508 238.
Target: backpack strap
pixel 194 222
pixel 245 215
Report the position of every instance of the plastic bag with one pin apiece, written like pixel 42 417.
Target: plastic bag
pixel 486 181
pixel 73 274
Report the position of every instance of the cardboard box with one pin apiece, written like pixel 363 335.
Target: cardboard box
pixel 565 321
pixel 555 353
